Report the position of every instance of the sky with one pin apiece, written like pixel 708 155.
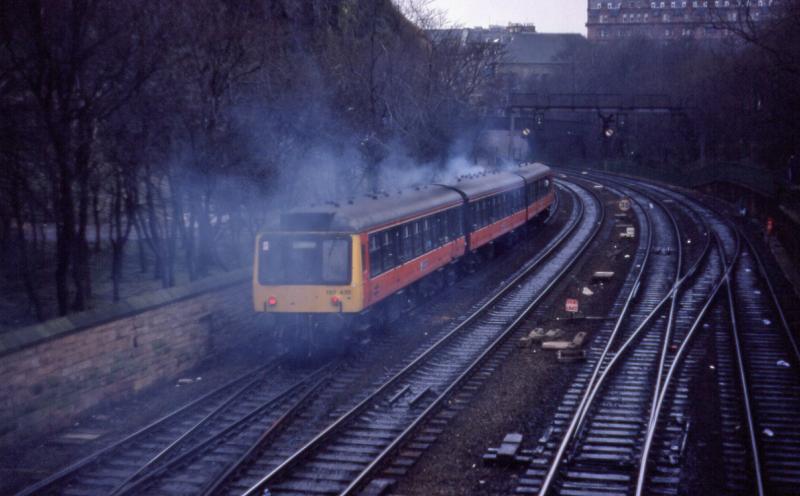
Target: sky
pixel 549 16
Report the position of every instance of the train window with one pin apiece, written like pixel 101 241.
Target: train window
pixel 305 259
pixel 375 257
pixel 500 211
pixel 473 215
pixel 456 222
pixel 417 235
pixel 446 230
pixel 427 235
pixel 406 247
pixel 436 230
pixel 335 261
pixel 388 249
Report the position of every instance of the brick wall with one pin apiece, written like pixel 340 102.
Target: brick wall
pixel 51 372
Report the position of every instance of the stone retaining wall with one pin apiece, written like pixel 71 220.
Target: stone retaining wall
pixel 51 372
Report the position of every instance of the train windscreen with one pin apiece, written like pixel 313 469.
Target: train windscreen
pixel 304 259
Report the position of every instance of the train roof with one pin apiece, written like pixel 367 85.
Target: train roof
pixel 479 185
pixel 374 210
pixel 532 171
pixel 368 212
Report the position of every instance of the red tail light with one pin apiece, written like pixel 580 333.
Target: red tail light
pixel 272 301
pixel 335 300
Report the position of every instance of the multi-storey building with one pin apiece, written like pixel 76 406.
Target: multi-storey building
pixel 671 19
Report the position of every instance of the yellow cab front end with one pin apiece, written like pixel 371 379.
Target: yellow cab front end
pixel 308 273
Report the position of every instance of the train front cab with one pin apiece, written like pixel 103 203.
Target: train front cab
pixel 311 274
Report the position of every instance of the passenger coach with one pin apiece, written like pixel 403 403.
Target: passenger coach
pixel 364 260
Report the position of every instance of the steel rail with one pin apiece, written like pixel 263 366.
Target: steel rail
pixel 402 437
pixel 751 430
pixel 322 436
pixel 59 476
pixel 677 360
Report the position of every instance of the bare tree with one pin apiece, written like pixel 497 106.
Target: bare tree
pixel 79 62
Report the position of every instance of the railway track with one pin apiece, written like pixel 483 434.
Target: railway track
pixel 209 473
pixel 767 365
pixel 193 449
pixel 759 381
pixel 110 468
pixel 696 289
pixel 595 439
pixel 628 436
pixel 343 457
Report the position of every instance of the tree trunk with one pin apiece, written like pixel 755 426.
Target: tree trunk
pixel 205 237
pixel 25 272
pixel 140 241
pixel 80 267
pixel 185 231
pixel 65 230
pixel 96 216
pixel 152 230
pixel 119 235
pixel 5 234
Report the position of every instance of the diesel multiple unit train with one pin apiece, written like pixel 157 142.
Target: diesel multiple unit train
pixel 364 260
